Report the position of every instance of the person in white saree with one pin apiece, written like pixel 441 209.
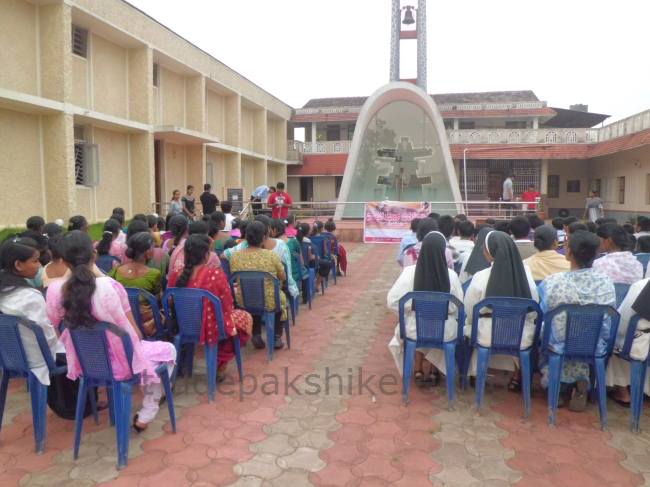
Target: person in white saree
pixel 429 274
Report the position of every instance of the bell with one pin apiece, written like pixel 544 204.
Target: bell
pixel 408 15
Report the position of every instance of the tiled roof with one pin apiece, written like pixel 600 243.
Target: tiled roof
pixel 574 119
pixel 482 97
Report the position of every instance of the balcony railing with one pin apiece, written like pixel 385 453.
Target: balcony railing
pixel 523 136
pixel 325 147
pixel 629 125
pixel 523 105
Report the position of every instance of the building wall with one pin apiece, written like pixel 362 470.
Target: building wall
pixel 173 98
pixel 324 188
pixel 216 114
pixel 18 41
pixel 634 165
pixel 569 170
pixel 218 181
pixel 115 186
pixel 20 156
pixel 293 187
pixel 79 93
pixel 109 77
pixel 175 171
pixel 247 128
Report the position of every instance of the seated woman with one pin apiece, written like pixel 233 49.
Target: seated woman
pixel 324 266
pixel 618 262
pixel 291 226
pixel 78 222
pixel 56 269
pixel 429 274
pixel 19 262
pixel 277 243
pixel 136 273
pixel 110 246
pixel 177 259
pixel 637 301
pixel 256 258
pixel 506 277
pixel 178 226
pixel 425 225
pixel 83 299
pixel 475 260
pixel 152 223
pixel 583 284
pixel 547 261
pixel 198 274
pixel 342 256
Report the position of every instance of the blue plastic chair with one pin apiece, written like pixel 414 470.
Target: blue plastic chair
pixel 332 247
pixel 14 365
pixel 431 313
pixel 508 322
pixel 311 271
pixel 188 307
pixel 293 302
pixel 106 262
pixel 584 328
pixel 135 295
pixel 92 349
pixel 251 285
pixel 638 371
pixel 644 259
pixel 621 292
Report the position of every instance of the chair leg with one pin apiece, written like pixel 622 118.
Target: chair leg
pixel 407 372
pixel 179 359
pixel 287 332
pixel 111 405
pixel 524 363
pixel 555 363
pixel 211 364
pixel 163 373
pixel 637 382
pixel 122 394
pixel 38 395
pixel 602 392
pixel 465 354
pixel 481 374
pixel 93 404
pixel 450 365
pixel 4 387
pixel 237 347
pixel 79 416
pixel 269 322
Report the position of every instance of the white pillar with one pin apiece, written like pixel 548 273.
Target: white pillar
pixel 313 133
pixel 536 123
pixel 456 123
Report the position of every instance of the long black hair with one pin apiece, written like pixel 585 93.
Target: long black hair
pixel 302 231
pixel 138 245
pixel 13 250
pixel 77 222
pixel 76 249
pixel 111 231
pixel 196 248
pixel 178 226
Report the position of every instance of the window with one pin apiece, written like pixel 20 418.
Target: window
pixel 466 125
pixel 515 124
pixel 86 161
pixel 156 74
pixel 573 186
pixel 333 133
pixel 351 131
pixel 597 186
pixel 551 137
pixel 338 180
pixel 79 41
pixel 553 184
pixel 621 190
pixel 449 124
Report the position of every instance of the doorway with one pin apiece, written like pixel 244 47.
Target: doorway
pixel 307 189
pixel 495 184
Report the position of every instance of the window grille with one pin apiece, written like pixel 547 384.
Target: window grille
pixel 79 41
pixel 86 164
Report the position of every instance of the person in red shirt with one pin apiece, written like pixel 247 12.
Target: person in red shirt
pixel 280 201
pixel 531 195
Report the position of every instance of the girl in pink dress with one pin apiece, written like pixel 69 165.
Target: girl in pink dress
pixel 82 299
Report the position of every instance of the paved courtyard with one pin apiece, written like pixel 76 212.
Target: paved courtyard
pixel 329 412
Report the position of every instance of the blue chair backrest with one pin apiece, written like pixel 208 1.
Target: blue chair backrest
pixel 584 328
pixel 621 292
pixel 332 242
pixel 251 286
pixel 13 359
pixel 106 262
pixel 225 266
pixel 644 259
pixel 629 337
pixel 135 295
pixel 188 305
pixel 92 348
pixel 321 246
pixel 431 312
pixel 508 321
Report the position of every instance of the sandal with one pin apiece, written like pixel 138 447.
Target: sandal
pixel 612 395
pixel 419 378
pixel 138 429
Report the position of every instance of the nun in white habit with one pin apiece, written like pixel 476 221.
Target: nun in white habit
pixel 429 274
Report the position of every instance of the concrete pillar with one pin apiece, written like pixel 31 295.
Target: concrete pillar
pixel 141 84
pixel 55 31
pixel 543 183
pixel 456 123
pixel 313 133
pixel 536 123
pixel 195 103
pixel 143 176
pixel 58 152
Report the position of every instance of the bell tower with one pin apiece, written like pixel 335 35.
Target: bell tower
pixel 419 35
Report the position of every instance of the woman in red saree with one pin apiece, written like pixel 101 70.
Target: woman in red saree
pixel 199 275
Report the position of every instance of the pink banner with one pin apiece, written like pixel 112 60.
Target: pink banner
pixel 389 221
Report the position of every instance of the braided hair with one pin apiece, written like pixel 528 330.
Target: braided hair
pixel 196 249
pixel 138 245
pixel 76 249
pixel 178 226
pixel 111 231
